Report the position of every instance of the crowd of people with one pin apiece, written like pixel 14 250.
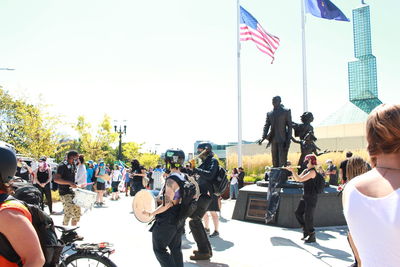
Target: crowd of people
pixel 370 196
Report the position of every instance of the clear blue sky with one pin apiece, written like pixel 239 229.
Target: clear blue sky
pixel 169 67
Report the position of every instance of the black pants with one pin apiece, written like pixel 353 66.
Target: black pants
pixel 279 154
pixel 305 212
pixel 47 192
pixel 166 234
pixel 136 186
pixel 196 225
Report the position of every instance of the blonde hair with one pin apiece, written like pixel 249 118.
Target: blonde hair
pixel 355 167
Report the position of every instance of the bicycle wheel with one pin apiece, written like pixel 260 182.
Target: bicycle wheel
pixel 88 260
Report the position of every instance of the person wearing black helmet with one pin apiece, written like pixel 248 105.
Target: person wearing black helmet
pixel 167 230
pixel 207 172
pixel 22 235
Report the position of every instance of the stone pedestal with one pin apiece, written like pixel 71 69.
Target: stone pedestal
pixel 251 205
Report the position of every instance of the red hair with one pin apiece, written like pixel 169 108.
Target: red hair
pixel 383 131
pixel 311 157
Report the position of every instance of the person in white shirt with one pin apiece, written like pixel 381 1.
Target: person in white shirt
pixel 116 178
pixel 81 174
pixel 371 200
pixel 234 186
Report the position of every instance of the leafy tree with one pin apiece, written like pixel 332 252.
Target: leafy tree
pixel 130 151
pixel 97 146
pixel 28 127
pixel 149 160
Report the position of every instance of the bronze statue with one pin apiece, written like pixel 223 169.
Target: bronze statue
pixel 305 131
pixel 278 132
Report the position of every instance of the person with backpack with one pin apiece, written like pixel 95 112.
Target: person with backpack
pixel 306 208
pixel 207 174
pixel 42 179
pixel 65 177
pixel 22 236
pixel 168 226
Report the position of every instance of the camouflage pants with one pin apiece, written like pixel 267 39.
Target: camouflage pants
pixel 71 211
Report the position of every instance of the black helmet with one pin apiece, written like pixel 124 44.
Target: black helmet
pixel 204 145
pixel 174 158
pixel 8 163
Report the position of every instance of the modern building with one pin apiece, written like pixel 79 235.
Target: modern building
pixel 363 85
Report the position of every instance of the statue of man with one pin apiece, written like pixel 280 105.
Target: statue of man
pixel 278 132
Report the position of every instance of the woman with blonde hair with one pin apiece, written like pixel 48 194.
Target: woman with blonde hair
pixel 371 201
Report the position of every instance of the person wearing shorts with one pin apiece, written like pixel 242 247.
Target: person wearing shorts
pixel 212 210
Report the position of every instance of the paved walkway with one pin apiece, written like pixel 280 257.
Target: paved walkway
pixel 241 244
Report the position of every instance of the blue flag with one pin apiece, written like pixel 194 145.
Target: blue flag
pixel 324 9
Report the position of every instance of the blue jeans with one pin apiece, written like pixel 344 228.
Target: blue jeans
pixel 89 187
pixel 234 190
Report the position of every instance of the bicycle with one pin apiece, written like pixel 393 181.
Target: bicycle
pixel 86 254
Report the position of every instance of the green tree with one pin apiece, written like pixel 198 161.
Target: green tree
pixel 130 151
pixel 96 146
pixel 149 160
pixel 28 127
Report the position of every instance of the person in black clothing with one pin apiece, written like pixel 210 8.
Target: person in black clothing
pixel 65 177
pixel 42 179
pixel 241 177
pixel 343 166
pixel 167 229
pixel 207 172
pixel 305 210
pixel 137 172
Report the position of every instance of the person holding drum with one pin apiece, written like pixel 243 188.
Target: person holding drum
pixel 207 172
pixel 65 177
pixel 167 230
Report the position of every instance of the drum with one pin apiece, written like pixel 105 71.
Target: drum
pixel 105 177
pixel 143 200
pixel 84 198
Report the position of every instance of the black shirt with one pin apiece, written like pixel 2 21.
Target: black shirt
pixel 309 185
pixel 343 166
pixel 67 172
pixel 42 176
pixel 137 178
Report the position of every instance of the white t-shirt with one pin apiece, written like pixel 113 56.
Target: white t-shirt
pixel 116 176
pixel 158 180
pixel 234 179
pixel 374 224
pixel 80 175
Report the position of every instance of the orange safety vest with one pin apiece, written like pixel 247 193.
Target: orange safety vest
pixel 13 205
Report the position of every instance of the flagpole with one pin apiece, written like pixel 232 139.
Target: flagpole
pixel 303 38
pixel 239 89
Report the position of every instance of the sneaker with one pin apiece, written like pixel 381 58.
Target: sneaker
pixel 215 234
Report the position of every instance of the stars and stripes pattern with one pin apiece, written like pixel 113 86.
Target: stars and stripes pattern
pixel 251 30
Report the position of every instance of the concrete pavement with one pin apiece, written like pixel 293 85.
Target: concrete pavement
pixel 240 244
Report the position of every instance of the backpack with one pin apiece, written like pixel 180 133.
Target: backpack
pixel 44 227
pixel 188 194
pixel 26 192
pixel 319 182
pixel 221 182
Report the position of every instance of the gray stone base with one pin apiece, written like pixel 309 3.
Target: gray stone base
pixel 251 205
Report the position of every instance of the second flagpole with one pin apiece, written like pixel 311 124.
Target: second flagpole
pixel 239 89
pixel 304 58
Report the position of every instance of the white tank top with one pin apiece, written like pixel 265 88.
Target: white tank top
pixel 374 224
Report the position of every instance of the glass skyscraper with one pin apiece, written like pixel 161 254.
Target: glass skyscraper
pixel 363 85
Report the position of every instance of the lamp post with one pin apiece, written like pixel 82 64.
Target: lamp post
pixel 120 129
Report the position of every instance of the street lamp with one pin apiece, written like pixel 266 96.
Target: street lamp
pixel 119 129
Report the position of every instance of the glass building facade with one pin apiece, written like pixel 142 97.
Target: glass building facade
pixel 363 85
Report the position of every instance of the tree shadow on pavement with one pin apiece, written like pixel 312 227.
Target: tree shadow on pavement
pixel 186 243
pixel 324 252
pixel 219 244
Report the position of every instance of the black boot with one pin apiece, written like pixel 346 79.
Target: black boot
pixel 311 238
pixel 305 235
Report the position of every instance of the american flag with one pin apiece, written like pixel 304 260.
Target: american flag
pixel 251 30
